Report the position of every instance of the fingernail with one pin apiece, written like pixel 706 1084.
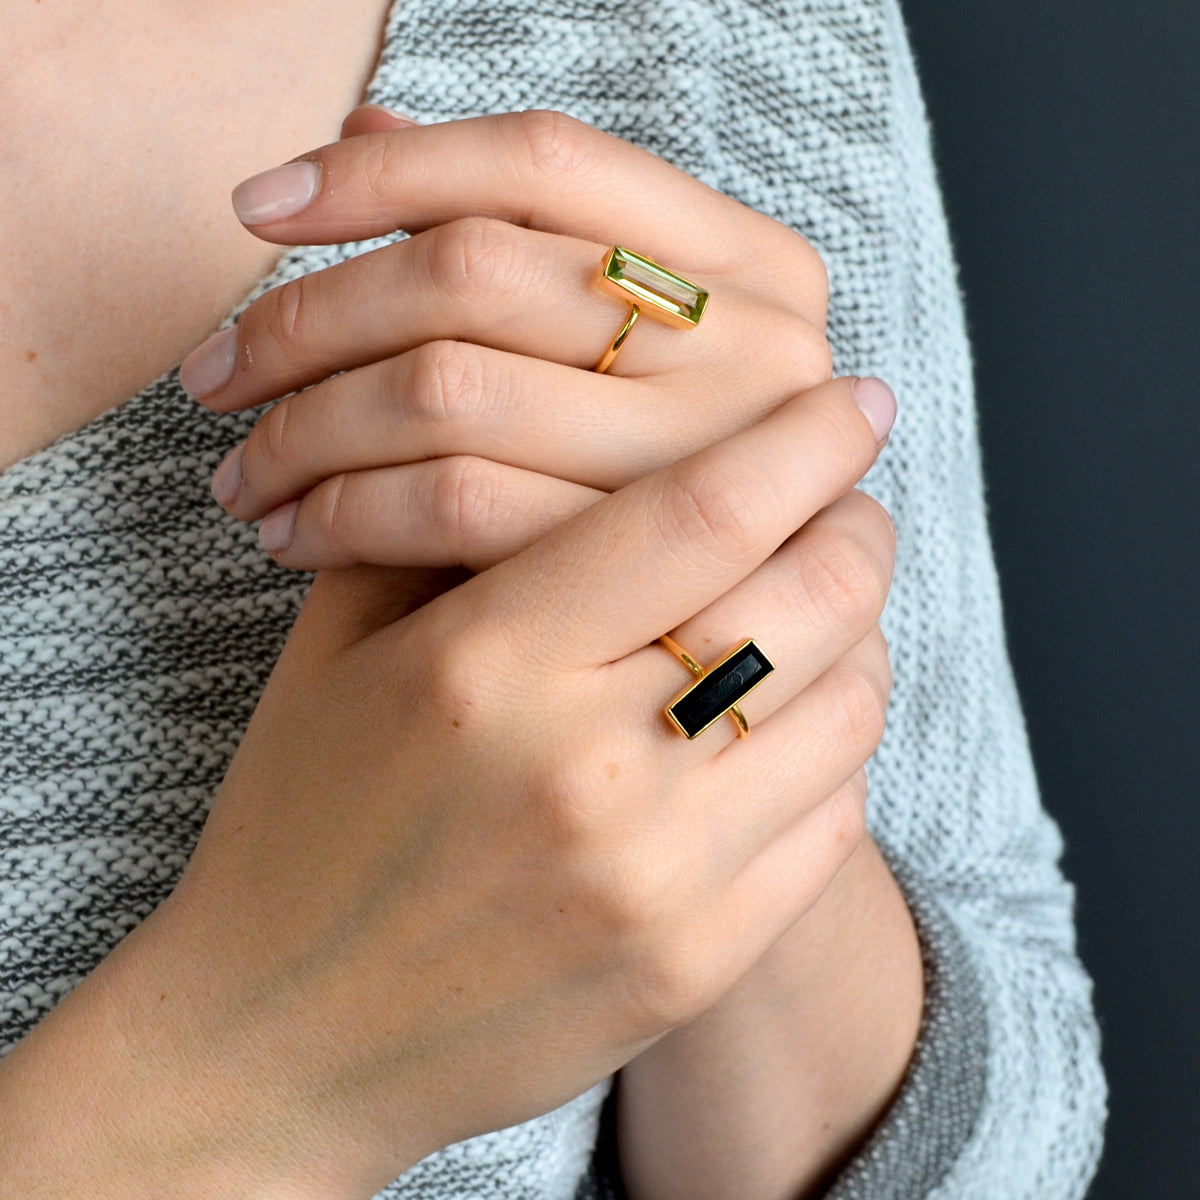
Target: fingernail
pixel 210 365
pixel 227 478
pixel 878 403
pixel 275 532
pixel 277 193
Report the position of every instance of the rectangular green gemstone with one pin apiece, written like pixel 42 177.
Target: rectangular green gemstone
pixel 644 281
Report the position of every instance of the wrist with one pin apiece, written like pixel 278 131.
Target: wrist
pixel 792 1069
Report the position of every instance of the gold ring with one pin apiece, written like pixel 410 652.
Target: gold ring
pixel 648 289
pixel 718 689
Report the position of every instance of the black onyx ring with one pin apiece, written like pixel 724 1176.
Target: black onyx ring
pixel 718 689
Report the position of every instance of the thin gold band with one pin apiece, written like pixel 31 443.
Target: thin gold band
pixel 739 719
pixel 607 360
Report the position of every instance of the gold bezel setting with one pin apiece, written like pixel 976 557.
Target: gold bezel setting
pixel 657 292
pixel 718 689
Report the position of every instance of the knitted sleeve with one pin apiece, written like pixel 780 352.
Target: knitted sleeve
pixel 811 112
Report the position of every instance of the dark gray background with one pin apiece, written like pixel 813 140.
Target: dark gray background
pixel 1067 133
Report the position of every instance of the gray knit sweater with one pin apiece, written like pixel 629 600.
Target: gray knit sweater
pixel 138 623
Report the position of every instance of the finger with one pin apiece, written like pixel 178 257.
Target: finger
pixel 787 811
pixel 373 118
pixel 802 754
pixel 455 398
pixel 459 511
pixel 833 725
pixel 792 871
pixel 540 169
pixel 478 281
pixel 639 563
pixel 806 607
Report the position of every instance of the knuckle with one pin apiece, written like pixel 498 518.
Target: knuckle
pixel 711 510
pixel 874 531
pixel 270 445
pixel 329 512
pixel 848 813
pixel 287 314
pixel 555 144
pixel 805 348
pixel 447 383
pixel 813 268
pixel 814 355
pixel 676 981
pixel 467 497
pixel 575 799
pixel 859 707
pixel 800 269
pixel 381 166
pixel 842 580
pixel 476 260
pixel 875 646
pixel 626 886
pixel 878 521
pixel 844 437
pixel 458 677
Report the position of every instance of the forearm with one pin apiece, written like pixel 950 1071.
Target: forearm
pixel 102 1100
pixel 768 1093
pixel 84 1102
pixel 150 1081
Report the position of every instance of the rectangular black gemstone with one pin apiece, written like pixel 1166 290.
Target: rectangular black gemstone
pixel 709 698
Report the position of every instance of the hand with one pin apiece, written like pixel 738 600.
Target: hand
pixel 467 421
pixel 461 868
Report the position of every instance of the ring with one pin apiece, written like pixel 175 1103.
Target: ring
pixel 650 289
pixel 718 689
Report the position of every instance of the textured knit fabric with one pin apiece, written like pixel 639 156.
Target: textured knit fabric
pixel 138 623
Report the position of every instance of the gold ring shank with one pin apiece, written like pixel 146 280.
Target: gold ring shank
pixel 611 353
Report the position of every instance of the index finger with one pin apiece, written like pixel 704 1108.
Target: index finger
pixel 640 562
pixel 544 170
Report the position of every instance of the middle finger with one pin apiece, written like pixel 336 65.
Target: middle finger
pixel 476 280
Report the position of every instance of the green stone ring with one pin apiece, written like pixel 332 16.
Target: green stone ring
pixel 650 290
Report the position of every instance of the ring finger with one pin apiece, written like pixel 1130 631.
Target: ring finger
pixel 806 607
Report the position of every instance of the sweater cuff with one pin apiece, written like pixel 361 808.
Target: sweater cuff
pixel 923 1133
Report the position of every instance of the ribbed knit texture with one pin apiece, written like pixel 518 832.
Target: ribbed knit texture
pixel 138 623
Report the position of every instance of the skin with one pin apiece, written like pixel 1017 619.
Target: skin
pixel 813 1009
pixel 75 276
pixel 571 890
pixel 200 1068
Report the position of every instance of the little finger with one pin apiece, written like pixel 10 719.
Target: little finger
pixel 789 874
